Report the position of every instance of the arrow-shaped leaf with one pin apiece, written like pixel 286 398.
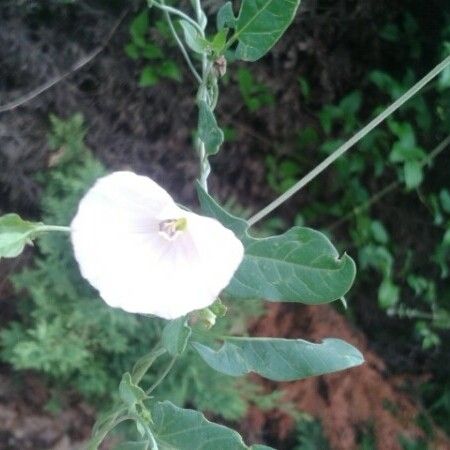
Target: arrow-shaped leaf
pixel 300 265
pixel 280 359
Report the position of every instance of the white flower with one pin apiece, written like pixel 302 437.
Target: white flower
pixel 147 255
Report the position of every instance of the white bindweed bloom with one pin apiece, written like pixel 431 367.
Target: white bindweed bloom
pixel 147 255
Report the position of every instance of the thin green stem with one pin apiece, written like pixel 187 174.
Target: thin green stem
pixel 389 188
pixel 181 46
pixel 358 209
pixel 143 364
pixel 153 441
pixel 412 313
pixel 436 151
pixel 350 143
pixel 162 376
pixel 177 12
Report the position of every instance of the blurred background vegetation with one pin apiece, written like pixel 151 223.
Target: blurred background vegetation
pixel 387 203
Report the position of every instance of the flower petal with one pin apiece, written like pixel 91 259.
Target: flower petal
pixel 121 252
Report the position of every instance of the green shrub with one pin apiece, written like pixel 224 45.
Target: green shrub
pixel 142 47
pixel 310 435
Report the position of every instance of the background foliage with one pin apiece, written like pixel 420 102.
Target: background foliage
pixel 400 237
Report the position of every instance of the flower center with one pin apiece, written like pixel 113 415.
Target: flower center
pixel 170 228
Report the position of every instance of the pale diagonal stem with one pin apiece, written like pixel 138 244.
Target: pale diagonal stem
pixel 55 228
pixel 77 66
pixel 350 143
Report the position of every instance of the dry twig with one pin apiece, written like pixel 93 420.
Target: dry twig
pixel 77 66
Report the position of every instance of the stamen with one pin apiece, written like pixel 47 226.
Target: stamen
pixel 170 228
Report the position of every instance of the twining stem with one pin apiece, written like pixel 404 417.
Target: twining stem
pixel 203 79
pixel 390 187
pixel 205 167
pixel 350 143
pixel 203 95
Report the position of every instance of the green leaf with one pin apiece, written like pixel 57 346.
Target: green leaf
pixel 208 130
pixel 446 238
pixel 132 51
pixel 300 265
pixel 379 232
pixel 194 39
pixel 351 103
pixel 225 17
pixel 170 69
pixel 260 25
pixel 212 209
pixel 141 445
pixel 129 392
pixel 444 197
pixel 186 429
pixel 388 294
pixel 413 174
pixel 139 27
pixel 15 233
pixel 175 336
pixel 404 132
pixel 280 359
pixel 261 447
pixel 149 77
pixel 401 153
pixel 219 40
pixel 151 51
pixel 305 89
pixel 444 77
